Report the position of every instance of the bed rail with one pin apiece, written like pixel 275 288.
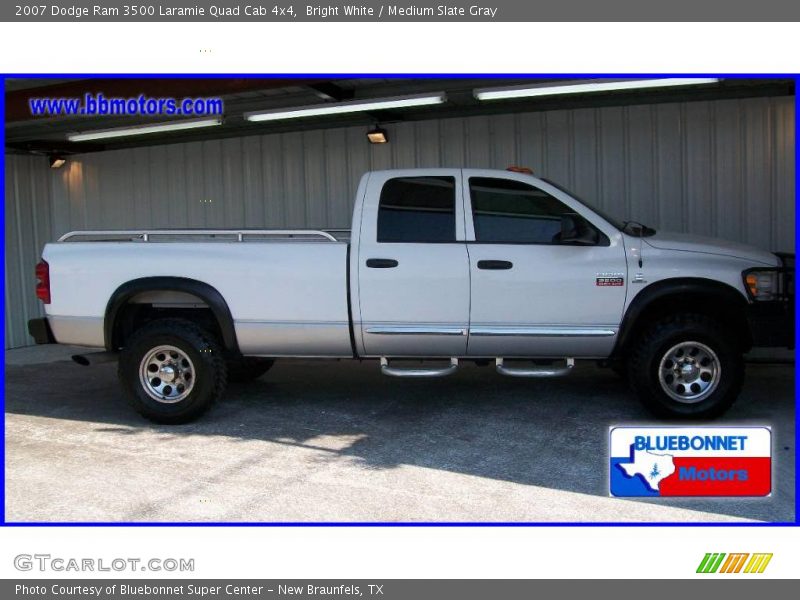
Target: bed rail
pixel 219 235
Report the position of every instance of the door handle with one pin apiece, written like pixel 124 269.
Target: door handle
pixel 495 265
pixel 381 263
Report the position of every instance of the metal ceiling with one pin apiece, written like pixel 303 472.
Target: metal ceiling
pixel 48 135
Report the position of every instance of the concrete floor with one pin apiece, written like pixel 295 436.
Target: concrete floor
pixel 327 441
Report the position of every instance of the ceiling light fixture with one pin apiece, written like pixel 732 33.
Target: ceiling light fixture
pixel 377 135
pixel 339 108
pixel 56 162
pixel 527 91
pixel 103 134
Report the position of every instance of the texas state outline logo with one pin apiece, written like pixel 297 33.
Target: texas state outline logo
pixel 690 461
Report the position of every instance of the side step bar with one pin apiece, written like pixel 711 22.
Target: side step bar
pixel 395 372
pixel 499 365
pixel 539 372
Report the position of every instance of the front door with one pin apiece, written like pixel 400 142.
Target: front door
pixel 534 294
pixel 413 268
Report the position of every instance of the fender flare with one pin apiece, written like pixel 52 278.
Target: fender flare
pixel 726 294
pixel 208 294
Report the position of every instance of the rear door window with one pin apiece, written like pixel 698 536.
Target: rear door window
pixel 417 209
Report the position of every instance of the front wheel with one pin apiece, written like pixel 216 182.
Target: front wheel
pixel 172 371
pixel 685 366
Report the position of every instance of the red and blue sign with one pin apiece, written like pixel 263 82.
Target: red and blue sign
pixel 690 461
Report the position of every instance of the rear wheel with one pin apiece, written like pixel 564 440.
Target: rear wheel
pixel 248 368
pixel 686 366
pixel 172 371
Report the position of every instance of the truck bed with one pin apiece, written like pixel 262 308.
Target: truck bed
pixel 284 288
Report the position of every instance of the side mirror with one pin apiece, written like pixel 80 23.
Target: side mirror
pixel 577 231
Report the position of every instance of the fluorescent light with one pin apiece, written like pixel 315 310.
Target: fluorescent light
pixel 508 93
pixel 142 129
pixel 347 107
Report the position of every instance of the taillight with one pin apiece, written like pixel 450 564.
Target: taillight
pixel 43 281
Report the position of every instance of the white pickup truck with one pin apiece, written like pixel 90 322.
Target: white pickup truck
pixel 442 265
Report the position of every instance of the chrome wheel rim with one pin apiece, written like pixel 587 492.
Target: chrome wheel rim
pixel 167 374
pixel 689 372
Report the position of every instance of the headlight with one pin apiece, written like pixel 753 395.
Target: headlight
pixel 761 284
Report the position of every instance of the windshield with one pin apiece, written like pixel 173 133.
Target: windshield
pixel 614 221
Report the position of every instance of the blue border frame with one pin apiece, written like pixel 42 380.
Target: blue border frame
pixel 795 523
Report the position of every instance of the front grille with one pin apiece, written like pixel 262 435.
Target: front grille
pixel 786 279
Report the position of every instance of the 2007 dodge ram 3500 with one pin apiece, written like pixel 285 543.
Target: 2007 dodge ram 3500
pixel 453 264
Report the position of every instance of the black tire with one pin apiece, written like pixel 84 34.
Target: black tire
pixel 208 373
pixel 645 362
pixel 248 368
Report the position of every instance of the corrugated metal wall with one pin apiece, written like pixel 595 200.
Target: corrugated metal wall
pixel 27 229
pixel 722 168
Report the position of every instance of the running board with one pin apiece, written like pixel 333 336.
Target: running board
pixel 395 372
pixel 539 372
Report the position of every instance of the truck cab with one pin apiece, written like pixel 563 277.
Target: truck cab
pixel 483 263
